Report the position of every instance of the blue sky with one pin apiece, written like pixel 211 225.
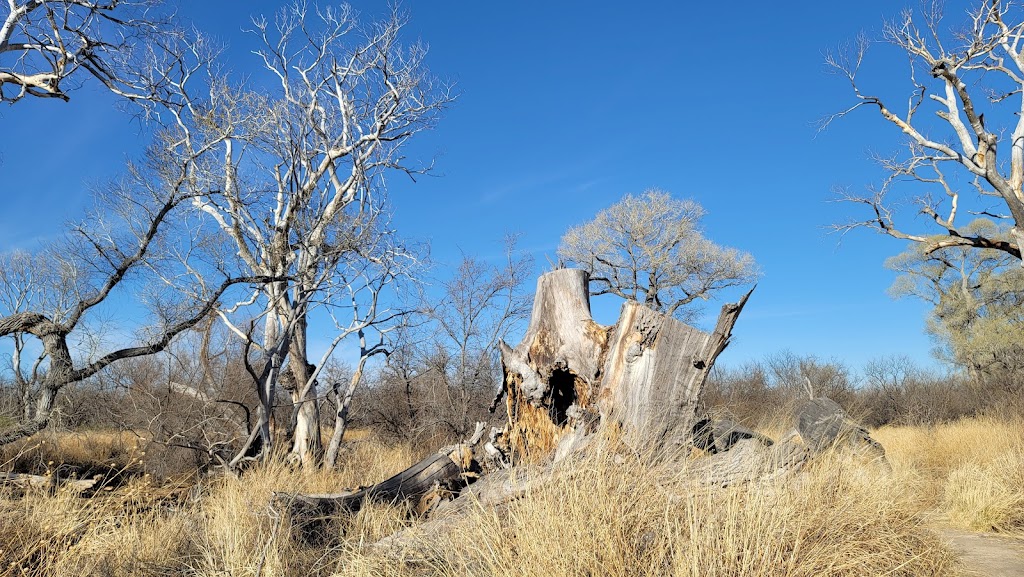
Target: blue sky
pixel 563 108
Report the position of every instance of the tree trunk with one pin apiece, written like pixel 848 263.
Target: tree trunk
pixel 343 401
pixel 422 486
pixel 307 447
pixel 644 374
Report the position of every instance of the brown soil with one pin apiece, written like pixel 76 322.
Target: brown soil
pixel 985 554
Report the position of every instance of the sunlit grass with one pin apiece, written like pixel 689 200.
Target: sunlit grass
pixel 610 514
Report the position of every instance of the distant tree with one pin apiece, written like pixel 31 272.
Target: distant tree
pixel 442 374
pixel 977 295
pixel 47 44
pixel 481 304
pixel 650 249
pixel 962 127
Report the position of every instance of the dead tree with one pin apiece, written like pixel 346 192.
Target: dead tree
pixel 644 374
pixel 641 378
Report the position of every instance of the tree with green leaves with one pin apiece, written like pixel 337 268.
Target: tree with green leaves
pixel 977 319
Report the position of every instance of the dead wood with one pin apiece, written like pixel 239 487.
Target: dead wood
pixel 819 425
pixel 718 435
pixel 641 379
pixel 422 487
pixel 49 483
pixel 568 374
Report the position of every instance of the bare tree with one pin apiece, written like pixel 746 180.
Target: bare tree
pixel 99 261
pixel 47 44
pixel 296 187
pixel 481 305
pixel 962 124
pixel 649 249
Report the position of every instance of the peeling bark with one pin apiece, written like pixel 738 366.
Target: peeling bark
pixel 644 374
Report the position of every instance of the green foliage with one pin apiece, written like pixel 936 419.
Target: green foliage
pixel 977 320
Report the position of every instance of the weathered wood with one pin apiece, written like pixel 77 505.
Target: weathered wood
pixel 655 373
pixel 718 435
pixel 46 483
pixel 820 424
pixel 749 460
pixel 421 486
pixel 551 376
pixel 644 375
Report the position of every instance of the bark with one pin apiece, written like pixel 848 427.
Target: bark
pixel 645 374
pixel 298 380
pixel 421 486
pixel 344 402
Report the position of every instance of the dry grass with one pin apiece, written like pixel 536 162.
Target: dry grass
pixel 614 519
pixel 605 516
pixel 970 471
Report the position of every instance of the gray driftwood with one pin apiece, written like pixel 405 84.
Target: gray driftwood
pixel 47 483
pixel 644 374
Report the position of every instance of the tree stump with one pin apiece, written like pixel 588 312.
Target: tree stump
pixel 644 374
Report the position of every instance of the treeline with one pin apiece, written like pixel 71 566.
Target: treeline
pixel 426 394
pixel 892 390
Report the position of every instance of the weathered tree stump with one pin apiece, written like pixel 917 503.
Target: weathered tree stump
pixel 642 378
pixel 644 374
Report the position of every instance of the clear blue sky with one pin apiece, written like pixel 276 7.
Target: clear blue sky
pixel 566 106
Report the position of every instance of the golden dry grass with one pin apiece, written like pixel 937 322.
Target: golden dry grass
pixel 970 471
pixel 604 516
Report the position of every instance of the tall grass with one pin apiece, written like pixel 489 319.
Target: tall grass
pixel 603 517
pixel 608 514
pixel 971 471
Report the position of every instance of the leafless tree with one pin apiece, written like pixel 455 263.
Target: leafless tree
pixel 962 124
pixel 649 249
pixel 102 260
pixel 441 375
pixel 480 305
pixel 45 45
pixel 296 187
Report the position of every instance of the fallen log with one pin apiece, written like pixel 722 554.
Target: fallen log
pixel 422 487
pixel 718 435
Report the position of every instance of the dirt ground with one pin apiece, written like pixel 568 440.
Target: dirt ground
pixel 987 555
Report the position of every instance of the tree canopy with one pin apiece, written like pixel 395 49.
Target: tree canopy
pixel 649 248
